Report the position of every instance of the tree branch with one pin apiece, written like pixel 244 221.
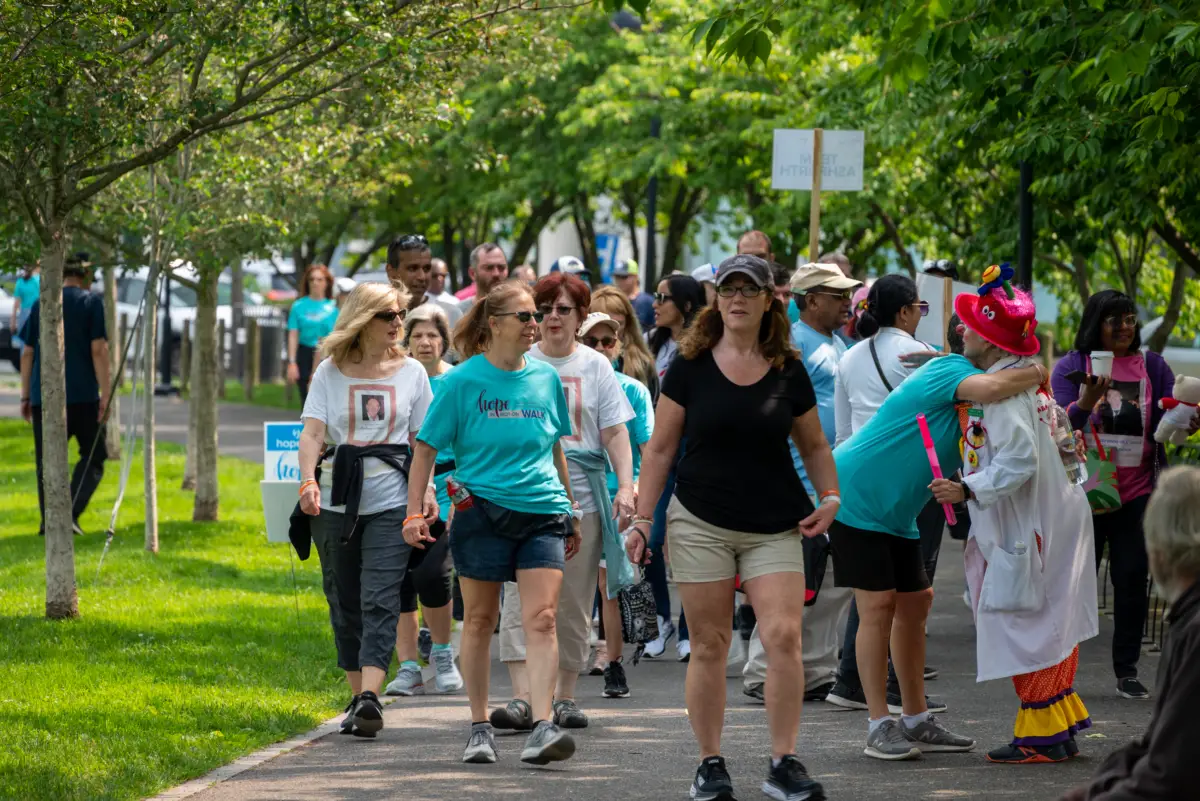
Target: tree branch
pixel 1158 340
pixel 894 234
pixel 1176 241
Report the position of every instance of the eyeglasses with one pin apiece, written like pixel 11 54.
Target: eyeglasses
pixel 411 242
pixel 747 290
pixel 523 316
pixel 844 294
pixel 593 342
pixel 922 306
pixel 1118 321
pixel 563 311
pixel 662 297
pixel 390 315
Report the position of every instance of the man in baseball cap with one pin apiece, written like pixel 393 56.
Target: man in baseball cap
pixel 626 278
pixel 706 276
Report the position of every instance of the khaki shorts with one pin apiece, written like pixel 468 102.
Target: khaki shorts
pixel 701 552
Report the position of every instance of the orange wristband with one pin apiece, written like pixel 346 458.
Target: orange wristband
pixel 411 518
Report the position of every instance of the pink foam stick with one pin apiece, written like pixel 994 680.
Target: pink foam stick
pixel 931 452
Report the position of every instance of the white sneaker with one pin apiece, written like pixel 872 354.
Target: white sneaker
pixel 656 647
pixel 407 682
pixel 447 678
pixel 684 649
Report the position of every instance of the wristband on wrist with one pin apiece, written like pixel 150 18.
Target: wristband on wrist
pixel 835 498
pixel 306 483
pixel 411 518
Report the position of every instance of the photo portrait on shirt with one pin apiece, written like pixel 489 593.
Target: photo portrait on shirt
pixel 374 413
pixel 1121 409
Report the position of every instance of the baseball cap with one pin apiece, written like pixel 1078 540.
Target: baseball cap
pixel 568 264
pixel 597 318
pixel 750 267
pixel 705 273
pixel 625 268
pixel 811 276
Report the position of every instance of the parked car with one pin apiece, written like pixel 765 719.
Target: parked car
pixel 1181 355
pixel 7 350
pixel 132 284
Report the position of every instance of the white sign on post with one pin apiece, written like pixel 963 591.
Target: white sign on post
pixel 841 160
pixel 281 474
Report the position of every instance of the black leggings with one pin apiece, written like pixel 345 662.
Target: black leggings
pixel 304 363
pixel 429 574
pixel 1129 569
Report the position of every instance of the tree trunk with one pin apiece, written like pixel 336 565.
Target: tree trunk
pixel 684 208
pixel 189 463
pixel 457 280
pixel 116 347
pixel 237 313
pixel 581 215
pixel 148 464
pixel 894 234
pixel 1080 273
pixel 630 196
pixel 1158 340
pixel 204 399
pixel 62 601
pixel 538 219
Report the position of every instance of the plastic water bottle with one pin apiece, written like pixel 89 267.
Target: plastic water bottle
pixel 1065 438
pixel 460 497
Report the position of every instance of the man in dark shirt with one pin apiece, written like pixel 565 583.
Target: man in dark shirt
pixel 625 276
pixel 85 351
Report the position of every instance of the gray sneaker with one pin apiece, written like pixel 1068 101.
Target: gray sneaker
pixel 568 715
pixel 547 744
pixel 447 678
pixel 408 681
pixel 888 742
pixel 481 748
pixel 929 735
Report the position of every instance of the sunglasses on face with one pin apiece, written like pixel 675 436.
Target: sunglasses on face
pixel 562 311
pixel 412 242
pixel 389 316
pixel 594 342
pixel 662 297
pixel 523 316
pixel 843 294
pixel 1118 321
pixel 747 290
pixel 922 306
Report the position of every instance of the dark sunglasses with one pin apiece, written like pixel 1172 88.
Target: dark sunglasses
pixel 547 310
pixel 1117 321
pixel 922 306
pixel 411 242
pixel 844 294
pixel 662 297
pixel 593 342
pixel 747 290
pixel 390 315
pixel 523 316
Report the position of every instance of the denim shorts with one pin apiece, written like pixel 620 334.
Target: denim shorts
pixel 491 543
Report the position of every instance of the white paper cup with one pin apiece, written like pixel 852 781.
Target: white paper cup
pixel 1102 361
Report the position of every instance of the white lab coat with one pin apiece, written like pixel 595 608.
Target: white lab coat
pixel 1021 488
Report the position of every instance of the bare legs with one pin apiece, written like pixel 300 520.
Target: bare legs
pixel 778 601
pixel 898 618
pixel 610 615
pixel 709 607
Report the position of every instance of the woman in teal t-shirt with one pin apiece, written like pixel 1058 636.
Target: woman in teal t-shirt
pixel 502 413
pixel 310 320
pixel 25 294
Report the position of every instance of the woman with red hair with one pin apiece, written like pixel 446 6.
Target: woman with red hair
pixel 310 320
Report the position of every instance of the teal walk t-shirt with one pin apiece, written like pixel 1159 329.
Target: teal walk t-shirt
pixel 640 427
pixel 313 319
pixel 444 457
pixel 502 427
pixel 883 471
pixel 26 290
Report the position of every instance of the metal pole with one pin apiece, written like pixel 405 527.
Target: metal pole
pixel 164 359
pixel 1025 241
pixel 651 213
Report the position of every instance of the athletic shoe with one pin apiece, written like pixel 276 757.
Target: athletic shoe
pixel 846 697
pixel 888 742
pixel 481 748
pixel 367 715
pixel 929 735
pixel 1028 754
pixel 424 644
pixel 818 693
pixel 931 673
pixel 1130 687
pixel 755 693
pixel 408 681
pixel 599 660
pixel 1071 747
pixel 568 715
pixel 447 679
pixel 656 647
pixel 347 724
pixel 712 782
pixel 517 716
pixel 547 744
pixel 615 684
pixel 684 649
pixel 789 781
pixel 896 704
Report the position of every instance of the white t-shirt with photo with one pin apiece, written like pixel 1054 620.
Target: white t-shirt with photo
pixel 368 411
pixel 595 400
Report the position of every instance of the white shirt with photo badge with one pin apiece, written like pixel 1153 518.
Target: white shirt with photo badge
pixel 595 400
pixel 369 411
pixel 859 391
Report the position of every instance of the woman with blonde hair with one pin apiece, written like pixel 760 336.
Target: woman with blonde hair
pixel 366 402
pixel 501 413
pixel 635 360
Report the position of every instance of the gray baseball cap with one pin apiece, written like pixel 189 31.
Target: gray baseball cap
pixel 752 268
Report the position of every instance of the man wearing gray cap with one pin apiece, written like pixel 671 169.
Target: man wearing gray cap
pixel 822 292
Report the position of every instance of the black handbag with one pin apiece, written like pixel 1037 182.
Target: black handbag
pixel 639 615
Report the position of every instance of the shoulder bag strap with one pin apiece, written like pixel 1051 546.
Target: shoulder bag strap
pixel 878 366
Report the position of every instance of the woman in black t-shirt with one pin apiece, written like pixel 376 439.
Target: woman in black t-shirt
pixel 737 394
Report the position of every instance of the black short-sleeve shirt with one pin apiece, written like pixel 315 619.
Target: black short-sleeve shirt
pixel 736 471
pixel 83 323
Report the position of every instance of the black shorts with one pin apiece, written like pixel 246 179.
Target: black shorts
pixel 876 562
pixel 428 577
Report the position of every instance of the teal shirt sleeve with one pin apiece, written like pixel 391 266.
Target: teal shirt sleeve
pixel 440 429
pixel 945 373
pixel 562 414
pixel 642 424
pixel 293 316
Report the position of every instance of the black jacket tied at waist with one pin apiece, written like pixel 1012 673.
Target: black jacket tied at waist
pixel 348 474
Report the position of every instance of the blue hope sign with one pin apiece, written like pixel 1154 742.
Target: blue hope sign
pixel 281 451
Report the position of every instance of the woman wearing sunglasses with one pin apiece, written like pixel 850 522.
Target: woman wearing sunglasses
pixel 366 402
pixel 502 415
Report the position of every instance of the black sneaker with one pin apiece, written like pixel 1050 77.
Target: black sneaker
pixel 1130 687
pixel 424 644
pixel 789 781
pixel 1028 754
pixel 846 697
pixel 615 685
pixel 367 715
pixel 712 782
pixel 896 704
pixel 818 694
pixel 755 693
pixel 568 715
pixel 516 716
pixel 931 673
pixel 347 724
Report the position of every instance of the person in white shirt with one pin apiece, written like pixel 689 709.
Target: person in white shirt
pixel 437 285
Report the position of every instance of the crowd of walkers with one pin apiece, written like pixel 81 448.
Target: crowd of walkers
pixel 517 460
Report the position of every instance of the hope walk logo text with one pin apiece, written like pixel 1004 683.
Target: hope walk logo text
pixel 499 409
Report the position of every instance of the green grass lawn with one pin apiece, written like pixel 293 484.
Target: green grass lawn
pixel 271 395
pixel 180 661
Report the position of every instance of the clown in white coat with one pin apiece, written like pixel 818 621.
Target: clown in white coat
pixel 1030 557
